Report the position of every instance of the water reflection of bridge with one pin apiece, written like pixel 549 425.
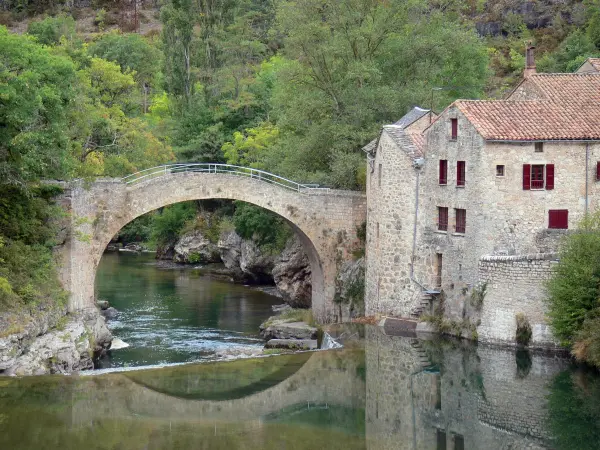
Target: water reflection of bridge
pixel 332 378
pixel 388 395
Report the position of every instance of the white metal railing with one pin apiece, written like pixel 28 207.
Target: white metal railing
pixel 261 175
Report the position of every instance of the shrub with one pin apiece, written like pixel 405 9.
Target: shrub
pixel 574 287
pixel 523 335
pixel 50 30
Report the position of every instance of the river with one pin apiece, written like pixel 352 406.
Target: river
pixel 379 392
pixel 170 314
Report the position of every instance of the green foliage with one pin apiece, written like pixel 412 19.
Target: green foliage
pixel 132 52
pixel 50 30
pixel 138 230
pixel 571 53
pixel 267 229
pixel 36 89
pixel 574 289
pixel 167 224
pixel 586 346
pixel 523 334
pixel 478 296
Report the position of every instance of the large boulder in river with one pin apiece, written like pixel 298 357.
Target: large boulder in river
pixel 275 328
pixel 194 247
pixel 255 264
pixel 230 249
pixel 292 276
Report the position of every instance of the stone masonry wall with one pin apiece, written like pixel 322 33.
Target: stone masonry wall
pixel 515 284
pixel 391 190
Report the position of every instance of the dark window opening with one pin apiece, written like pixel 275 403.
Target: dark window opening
pixel 461 220
pixel 499 171
pixel 441 440
pixel 459 442
pixel 460 173
pixel 454 126
pixel 598 171
pixel 443 171
pixel 537 177
pixel 442 218
pixel 558 219
pixel 379 170
pixel 539 147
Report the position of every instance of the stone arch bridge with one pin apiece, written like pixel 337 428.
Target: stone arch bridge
pixel 326 220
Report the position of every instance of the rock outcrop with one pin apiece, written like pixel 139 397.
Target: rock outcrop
pixel 194 247
pixel 350 287
pixel 292 276
pixel 68 348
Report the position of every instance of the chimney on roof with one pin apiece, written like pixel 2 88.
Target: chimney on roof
pixel 529 61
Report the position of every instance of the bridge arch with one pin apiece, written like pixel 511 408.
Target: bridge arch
pixel 325 221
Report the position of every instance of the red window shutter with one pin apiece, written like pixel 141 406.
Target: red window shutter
pixel 558 219
pixel 526 177
pixel 598 170
pixel 549 176
pixel 454 123
pixel 443 171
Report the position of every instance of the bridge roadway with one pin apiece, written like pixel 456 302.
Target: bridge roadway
pixel 326 220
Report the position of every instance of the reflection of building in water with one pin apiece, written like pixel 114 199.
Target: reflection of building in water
pixel 455 398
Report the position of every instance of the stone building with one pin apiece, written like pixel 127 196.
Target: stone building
pixel 469 206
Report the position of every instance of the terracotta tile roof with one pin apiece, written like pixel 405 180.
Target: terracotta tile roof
pixel 595 62
pixel 567 109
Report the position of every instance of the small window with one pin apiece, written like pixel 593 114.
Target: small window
pixel 443 171
pixel 379 170
pixel 598 171
pixel 558 219
pixel 461 220
pixel 537 176
pixel 539 147
pixel 499 170
pixel 454 128
pixel 442 218
pixel 460 173
pixel 459 442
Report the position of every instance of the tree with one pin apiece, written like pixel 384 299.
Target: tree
pixel 51 29
pixel 135 55
pixel 36 91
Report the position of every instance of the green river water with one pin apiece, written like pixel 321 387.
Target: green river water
pixel 378 392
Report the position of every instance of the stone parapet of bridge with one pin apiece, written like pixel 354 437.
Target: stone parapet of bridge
pixel 326 221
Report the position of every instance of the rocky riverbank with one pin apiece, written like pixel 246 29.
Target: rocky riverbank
pixel 245 262
pixel 53 342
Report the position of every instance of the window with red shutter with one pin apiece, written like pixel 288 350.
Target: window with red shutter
pixel 460 173
pixel 443 171
pixel 442 218
pixel 598 171
pixel 454 126
pixel 558 219
pixel 526 177
pixel 549 177
pixel 538 176
pixel 461 220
